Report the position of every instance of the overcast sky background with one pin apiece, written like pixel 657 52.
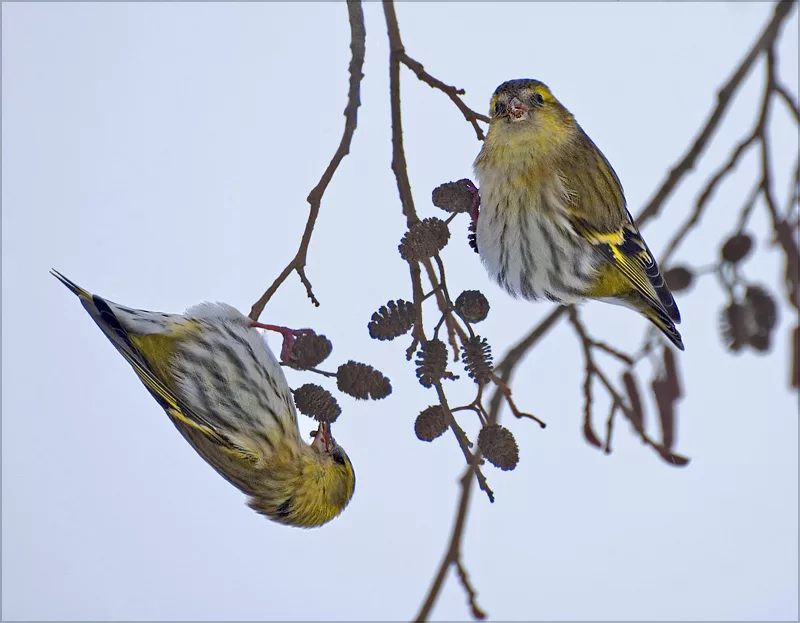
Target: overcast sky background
pixel 160 155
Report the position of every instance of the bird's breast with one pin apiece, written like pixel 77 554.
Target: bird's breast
pixel 524 237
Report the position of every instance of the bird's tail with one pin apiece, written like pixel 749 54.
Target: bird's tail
pixel 73 287
pixel 653 312
pixel 665 324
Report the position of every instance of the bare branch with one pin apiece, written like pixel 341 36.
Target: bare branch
pixel 452 92
pixel 706 194
pixel 358 37
pixel 724 98
pixel 399 166
pixel 452 555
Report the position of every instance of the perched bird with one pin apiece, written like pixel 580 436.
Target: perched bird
pixel 219 383
pixel 553 221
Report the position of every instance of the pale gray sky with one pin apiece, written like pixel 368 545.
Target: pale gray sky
pixel 160 155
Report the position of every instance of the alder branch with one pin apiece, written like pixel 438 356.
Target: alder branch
pixel 358 37
pixel 452 556
pixel 516 354
pixel 724 99
pixel 452 92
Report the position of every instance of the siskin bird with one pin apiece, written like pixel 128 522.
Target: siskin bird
pixel 224 390
pixel 553 220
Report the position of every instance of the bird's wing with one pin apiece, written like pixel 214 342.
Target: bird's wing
pixel 106 319
pixel 627 251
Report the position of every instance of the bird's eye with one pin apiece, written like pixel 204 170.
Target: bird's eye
pixel 338 456
pixel 499 108
pixel 538 98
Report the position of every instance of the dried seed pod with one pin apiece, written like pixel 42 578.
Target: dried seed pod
pixel 308 351
pixel 760 342
pixel 472 306
pixel 736 248
pixel 679 278
pixel 676 460
pixel 431 362
pixel 734 326
pixel 392 320
pixel 424 239
pixel 316 402
pixel 476 354
pixel 665 402
pixel 499 447
pixel 362 381
pixel 765 311
pixel 671 377
pixel 634 400
pixel 431 423
pixel 454 196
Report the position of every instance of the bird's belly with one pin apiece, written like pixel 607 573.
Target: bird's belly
pixel 529 254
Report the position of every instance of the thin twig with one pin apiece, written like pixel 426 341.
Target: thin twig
pixel 399 166
pixel 452 92
pixel 453 553
pixel 724 99
pixel 505 368
pixel 707 193
pixel 358 48
pixel 747 208
pixel 607 348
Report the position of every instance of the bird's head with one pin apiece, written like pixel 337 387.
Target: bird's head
pixel 525 112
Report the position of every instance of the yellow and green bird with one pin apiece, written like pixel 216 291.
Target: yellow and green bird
pixel 553 219
pixel 218 381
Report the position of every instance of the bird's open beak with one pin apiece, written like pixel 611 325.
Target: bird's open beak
pixel 323 440
pixel 517 110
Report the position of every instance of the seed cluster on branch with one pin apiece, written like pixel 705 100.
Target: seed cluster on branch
pixel 476 354
pixel 392 320
pixel 736 248
pixel 749 321
pixel 472 306
pixel 431 362
pixel 316 402
pixel 679 278
pixel 424 240
pixel 362 381
pixel 498 445
pixel 431 423
pixel 453 196
pixel 308 351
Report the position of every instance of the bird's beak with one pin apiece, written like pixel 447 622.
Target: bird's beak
pixel 323 440
pixel 516 109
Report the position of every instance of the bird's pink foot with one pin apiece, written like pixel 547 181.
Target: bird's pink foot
pixel 289 336
pixel 476 199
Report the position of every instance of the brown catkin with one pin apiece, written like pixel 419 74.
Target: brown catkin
pixel 498 445
pixel 431 362
pixel 431 423
pixel 316 402
pixel 476 354
pixel 472 306
pixel 454 196
pixel 736 248
pixel 679 278
pixel 308 351
pixel 734 326
pixel 424 239
pixel 763 306
pixel 392 320
pixel 362 381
